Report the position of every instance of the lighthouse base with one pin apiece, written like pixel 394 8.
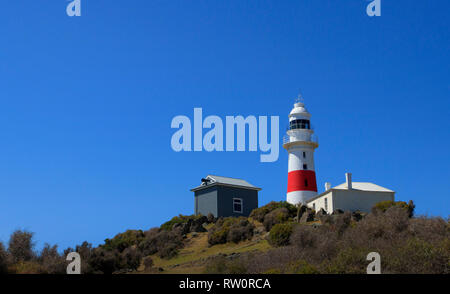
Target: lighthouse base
pixel 300 197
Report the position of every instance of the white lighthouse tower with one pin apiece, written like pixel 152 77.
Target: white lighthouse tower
pixel 300 142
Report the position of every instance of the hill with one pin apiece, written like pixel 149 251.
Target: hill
pixel 276 238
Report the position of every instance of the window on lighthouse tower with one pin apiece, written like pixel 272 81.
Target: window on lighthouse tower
pixel 306 182
pixel 305 166
pixel 299 124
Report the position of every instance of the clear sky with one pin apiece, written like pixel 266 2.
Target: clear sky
pixel 86 103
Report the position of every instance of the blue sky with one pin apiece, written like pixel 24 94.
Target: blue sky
pixel 86 103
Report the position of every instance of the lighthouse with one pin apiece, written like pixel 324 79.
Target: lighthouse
pixel 300 142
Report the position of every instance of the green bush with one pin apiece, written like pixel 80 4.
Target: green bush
pixel 132 258
pixel 302 267
pixel 182 219
pixel 165 243
pixel 272 271
pixel 348 261
pixel 27 267
pixel 221 265
pixel 418 256
pixel 21 246
pixel 259 213
pixel 51 261
pixel 124 240
pixel 230 229
pixel 277 216
pixel 3 260
pixel 106 261
pixel 218 236
pixel 385 205
pixel 148 263
pixel 280 234
pixel 169 250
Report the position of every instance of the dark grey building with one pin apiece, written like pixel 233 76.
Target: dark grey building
pixel 224 196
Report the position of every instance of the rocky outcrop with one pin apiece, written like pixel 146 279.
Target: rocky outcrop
pixel 356 216
pixel 338 211
pixel 192 225
pixel 307 216
pixel 321 213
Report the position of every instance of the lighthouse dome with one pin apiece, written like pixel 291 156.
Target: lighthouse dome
pixel 299 111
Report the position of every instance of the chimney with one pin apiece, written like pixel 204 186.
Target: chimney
pixel 348 178
pixel 327 186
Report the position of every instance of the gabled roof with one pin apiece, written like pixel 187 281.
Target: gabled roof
pixel 359 186
pixel 363 186
pixel 225 181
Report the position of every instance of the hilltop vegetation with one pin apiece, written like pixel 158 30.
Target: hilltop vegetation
pixel 276 238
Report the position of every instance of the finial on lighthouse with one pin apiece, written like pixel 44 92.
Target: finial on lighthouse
pixel 299 101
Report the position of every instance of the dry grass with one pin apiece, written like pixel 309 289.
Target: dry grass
pixel 193 257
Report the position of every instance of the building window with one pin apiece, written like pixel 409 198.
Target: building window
pixel 304 154
pixel 237 205
pixel 314 206
pixel 326 204
pixel 305 166
pixel 306 182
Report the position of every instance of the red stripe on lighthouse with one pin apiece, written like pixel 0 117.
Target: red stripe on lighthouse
pixel 302 180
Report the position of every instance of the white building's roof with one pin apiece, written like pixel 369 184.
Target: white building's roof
pixel 218 180
pixel 363 186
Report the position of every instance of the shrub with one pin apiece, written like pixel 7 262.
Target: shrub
pixel 169 250
pixel 124 240
pixel 51 261
pixel 406 245
pixel 218 236
pixel 106 261
pixel 230 229
pixel 302 267
pixel 240 233
pixel 259 213
pixel 222 265
pixel 304 237
pixel 165 243
pixel 272 271
pixel 348 261
pixel 280 234
pixel 418 256
pixel 132 258
pixel 21 246
pixel 27 267
pixel 338 222
pixel 148 263
pixel 385 205
pixel 3 260
pixel 183 219
pixel 211 218
pixel 277 216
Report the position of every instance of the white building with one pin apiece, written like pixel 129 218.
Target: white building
pixel 350 196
